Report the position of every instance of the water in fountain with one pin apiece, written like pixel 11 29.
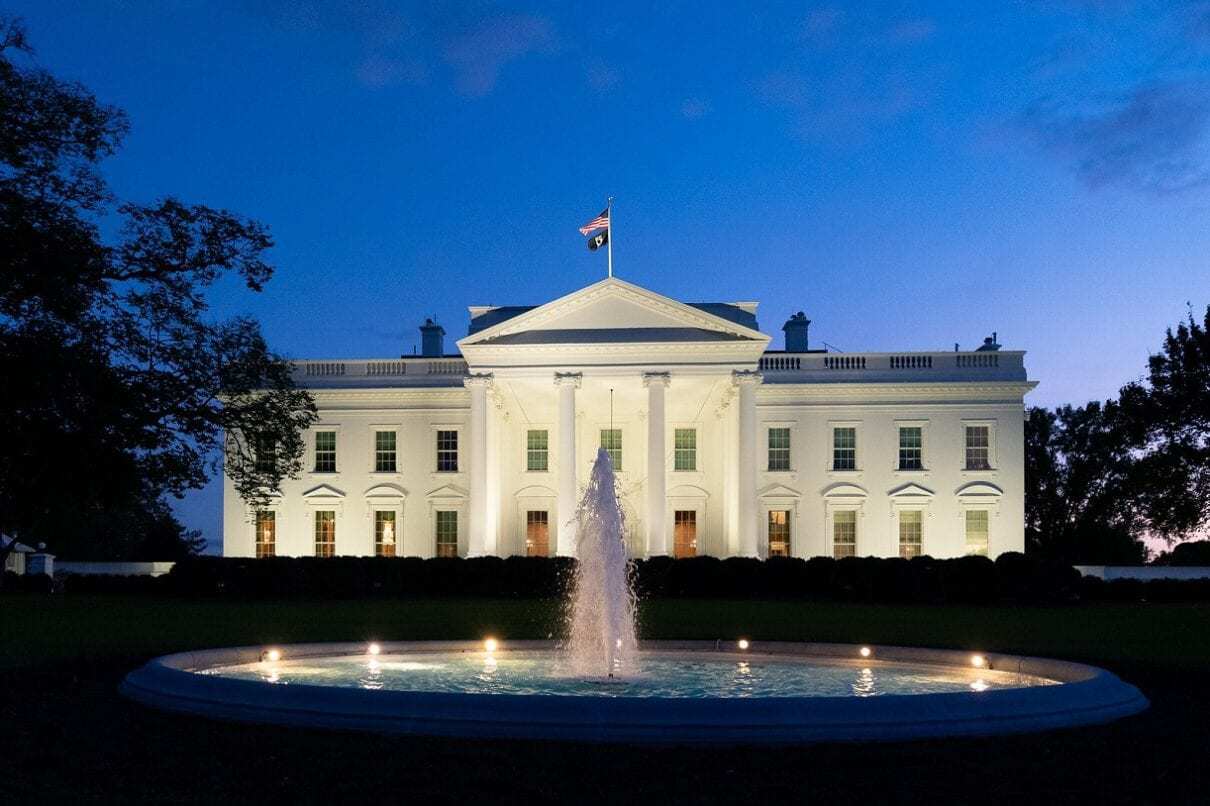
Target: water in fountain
pixel 601 639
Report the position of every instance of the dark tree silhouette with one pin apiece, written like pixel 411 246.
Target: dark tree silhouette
pixel 118 386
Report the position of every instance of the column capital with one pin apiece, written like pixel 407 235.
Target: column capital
pixel 477 379
pixel 657 378
pixel 572 379
pixel 743 377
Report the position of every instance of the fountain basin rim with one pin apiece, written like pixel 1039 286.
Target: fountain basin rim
pixel 1086 695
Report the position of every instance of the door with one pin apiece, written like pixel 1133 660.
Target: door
pixel 537 533
pixel 684 533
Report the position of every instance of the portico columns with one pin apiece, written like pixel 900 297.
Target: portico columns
pixel 476 539
pixel 657 497
pixel 567 383
pixel 746 488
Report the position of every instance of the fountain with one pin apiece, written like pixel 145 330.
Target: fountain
pixel 601 684
pixel 600 640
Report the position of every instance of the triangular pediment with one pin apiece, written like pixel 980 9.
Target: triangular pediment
pixel 911 490
pixel 613 311
pixel 779 491
pixel 447 491
pixel 323 491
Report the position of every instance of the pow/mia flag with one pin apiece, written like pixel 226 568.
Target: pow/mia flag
pixel 598 240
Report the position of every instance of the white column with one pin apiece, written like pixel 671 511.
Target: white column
pixel 567 383
pixel 746 488
pixel 657 480
pixel 476 537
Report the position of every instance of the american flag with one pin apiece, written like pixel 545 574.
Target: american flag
pixel 597 223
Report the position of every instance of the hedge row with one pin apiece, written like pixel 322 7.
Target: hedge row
pixel 1011 578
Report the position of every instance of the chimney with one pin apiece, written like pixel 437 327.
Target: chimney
pixel 990 344
pixel 432 339
pixel 795 329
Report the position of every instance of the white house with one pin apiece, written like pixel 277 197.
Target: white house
pixel 723 447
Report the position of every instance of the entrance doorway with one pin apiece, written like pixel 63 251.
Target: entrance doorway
pixel 684 533
pixel 537 533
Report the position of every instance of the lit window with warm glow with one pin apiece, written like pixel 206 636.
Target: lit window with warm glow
pixel 779 533
pixel 844 534
pixel 911 533
pixel 385 534
pixel 537 533
pixel 977 532
pixel 325 534
pixel 266 534
pixel 447 533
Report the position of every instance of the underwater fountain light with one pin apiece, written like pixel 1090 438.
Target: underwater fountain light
pixel 865 652
pixel 742 643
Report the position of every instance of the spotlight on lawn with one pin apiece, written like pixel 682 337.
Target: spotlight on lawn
pixel 271 655
pixel 743 643
pixel 374 649
pixel 865 652
pixel 491 644
pixel 978 661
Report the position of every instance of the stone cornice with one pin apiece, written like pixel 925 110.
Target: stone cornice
pixel 883 392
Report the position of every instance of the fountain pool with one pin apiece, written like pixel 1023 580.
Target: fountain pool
pixel 675 691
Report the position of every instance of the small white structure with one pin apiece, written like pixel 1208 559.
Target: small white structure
pixel 15 562
pixel 722 446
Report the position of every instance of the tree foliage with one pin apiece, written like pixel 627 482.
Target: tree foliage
pixel 1102 476
pixel 120 386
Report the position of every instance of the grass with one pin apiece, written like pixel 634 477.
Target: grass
pixel 65 735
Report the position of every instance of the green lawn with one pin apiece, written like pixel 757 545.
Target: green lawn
pixel 65 735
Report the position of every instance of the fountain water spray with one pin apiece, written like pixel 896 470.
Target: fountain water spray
pixel 601 638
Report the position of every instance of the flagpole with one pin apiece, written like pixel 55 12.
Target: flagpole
pixel 609 231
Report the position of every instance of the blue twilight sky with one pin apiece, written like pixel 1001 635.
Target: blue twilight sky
pixel 909 174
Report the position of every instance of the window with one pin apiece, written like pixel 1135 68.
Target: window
pixel 684 533
pixel 911 533
pixel 779 533
pixel 385 540
pixel 266 534
pixel 844 533
pixel 325 534
pixel 537 532
pixel 978 447
pixel 779 449
pixel 447 533
pixel 537 451
pixel 684 449
pixel 265 452
pixel 611 441
pixel 384 451
pixel 447 451
pixel 325 451
pixel 844 448
pixel 911 448
pixel 976 532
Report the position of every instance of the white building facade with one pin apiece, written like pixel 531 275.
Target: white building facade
pixel 722 447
